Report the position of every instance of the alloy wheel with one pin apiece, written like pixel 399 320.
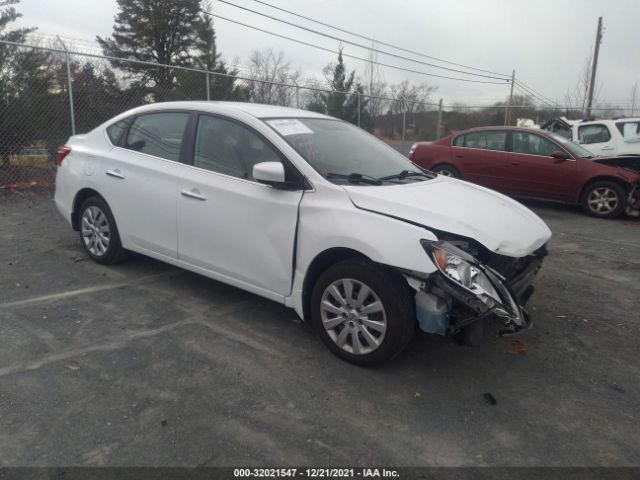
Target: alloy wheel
pixel 353 316
pixel 602 200
pixel 95 231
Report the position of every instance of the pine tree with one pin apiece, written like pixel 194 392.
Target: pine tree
pixel 158 31
pixel 335 101
pixel 25 85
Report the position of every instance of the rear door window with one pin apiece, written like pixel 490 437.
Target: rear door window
pixel 490 140
pixel 531 144
pixel 158 134
pixel 458 141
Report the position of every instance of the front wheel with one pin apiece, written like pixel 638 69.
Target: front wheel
pixel 363 313
pixel 604 199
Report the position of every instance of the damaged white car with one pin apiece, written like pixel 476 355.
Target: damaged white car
pixel 308 211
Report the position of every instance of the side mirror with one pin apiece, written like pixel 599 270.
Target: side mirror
pixel 560 155
pixel 271 173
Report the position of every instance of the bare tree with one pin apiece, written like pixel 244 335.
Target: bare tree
pixel 410 98
pixel 375 85
pixel 270 71
pixel 576 99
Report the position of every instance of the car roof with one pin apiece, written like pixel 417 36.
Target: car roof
pixel 502 127
pixel 257 110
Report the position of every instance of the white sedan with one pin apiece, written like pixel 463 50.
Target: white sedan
pixel 305 210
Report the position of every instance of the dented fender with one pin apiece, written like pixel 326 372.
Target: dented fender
pixel 332 221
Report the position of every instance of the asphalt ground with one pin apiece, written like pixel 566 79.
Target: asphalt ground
pixel 143 364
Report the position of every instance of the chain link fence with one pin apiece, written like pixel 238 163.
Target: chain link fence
pixel 50 93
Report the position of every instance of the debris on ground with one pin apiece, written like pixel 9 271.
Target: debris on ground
pixel 519 347
pixel 490 399
pixel 617 388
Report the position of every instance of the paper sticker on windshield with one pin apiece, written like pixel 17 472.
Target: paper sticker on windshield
pixel 289 126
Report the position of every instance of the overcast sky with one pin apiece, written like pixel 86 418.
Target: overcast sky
pixel 545 41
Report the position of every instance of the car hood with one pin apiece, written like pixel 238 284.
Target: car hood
pixel 631 162
pixel 499 223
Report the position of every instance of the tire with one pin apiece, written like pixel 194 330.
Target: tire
pixel 380 334
pixel 604 199
pixel 447 171
pixel 99 232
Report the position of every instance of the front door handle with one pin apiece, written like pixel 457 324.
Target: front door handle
pixel 115 173
pixel 193 193
pixel 607 148
pixel 515 163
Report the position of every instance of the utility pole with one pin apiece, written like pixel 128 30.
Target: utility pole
pixel 507 113
pixel 594 68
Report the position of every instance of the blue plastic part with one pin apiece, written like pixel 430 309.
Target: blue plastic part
pixel 431 323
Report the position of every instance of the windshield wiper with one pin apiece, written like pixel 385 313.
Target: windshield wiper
pixel 356 178
pixel 408 173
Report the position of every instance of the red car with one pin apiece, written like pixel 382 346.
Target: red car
pixel 537 164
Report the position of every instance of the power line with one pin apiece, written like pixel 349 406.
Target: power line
pixel 378 41
pixel 505 81
pixel 533 92
pixel 355 44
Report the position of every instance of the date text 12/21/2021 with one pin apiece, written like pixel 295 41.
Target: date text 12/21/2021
pixel 315 473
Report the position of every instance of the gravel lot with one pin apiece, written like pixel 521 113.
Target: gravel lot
pixel 145 364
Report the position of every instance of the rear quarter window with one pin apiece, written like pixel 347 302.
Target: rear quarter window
pixel 458 141
pixel 116 131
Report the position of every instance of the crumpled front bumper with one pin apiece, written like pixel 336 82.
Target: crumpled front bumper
pixel 514 294
pixel 633 201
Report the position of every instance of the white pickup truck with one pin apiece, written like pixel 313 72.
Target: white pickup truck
pixel 602 137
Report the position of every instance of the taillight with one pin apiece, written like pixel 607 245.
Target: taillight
pixel 61 153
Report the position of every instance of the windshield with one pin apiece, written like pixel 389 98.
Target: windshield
pixel 343 153
pixel 574 148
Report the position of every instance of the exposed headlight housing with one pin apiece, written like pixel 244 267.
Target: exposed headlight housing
pixel 461 268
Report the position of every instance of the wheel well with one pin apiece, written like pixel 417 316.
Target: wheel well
pixel 319 264
pixel 621 183
pixel 81 196
pixel 445 164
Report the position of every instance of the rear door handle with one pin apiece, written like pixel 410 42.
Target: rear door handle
pixel 193 193
pixel 459 156
pixel 607 148
pixel 115 173
pixel 515 163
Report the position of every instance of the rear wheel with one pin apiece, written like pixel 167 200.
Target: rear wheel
pixel 447 171
pixel 363 313
pixel 604 199
pixel 99 233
